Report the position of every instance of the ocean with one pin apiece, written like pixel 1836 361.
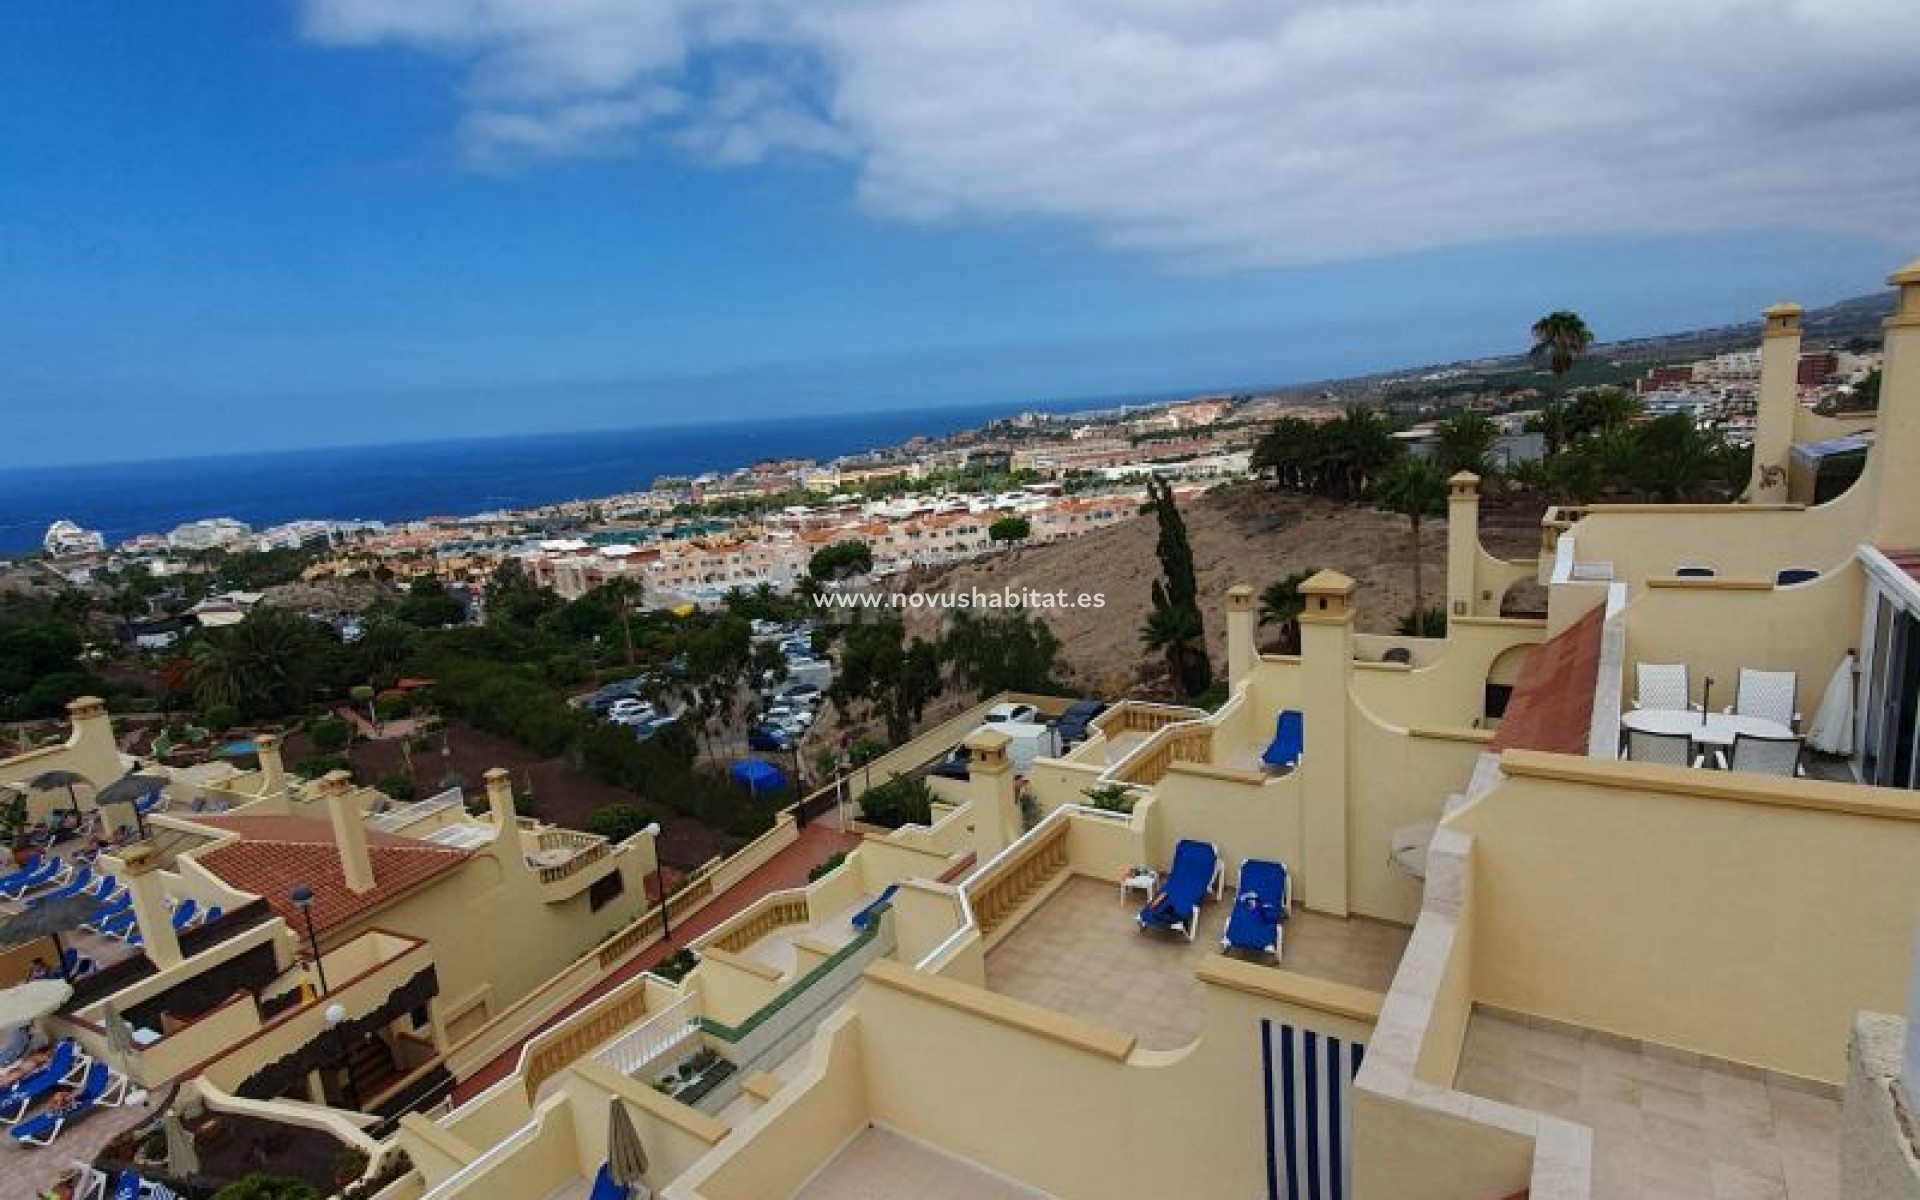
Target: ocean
pixel 450 478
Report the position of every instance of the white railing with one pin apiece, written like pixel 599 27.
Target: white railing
pixel 401 816
pixel 643 1045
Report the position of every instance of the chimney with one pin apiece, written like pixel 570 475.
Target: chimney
pixel 1326 669
pixel 500 798
pixel 1779 401
pixel 349 830
pixel 1463 544
pixel 993 791
pixel 1242 623
pixel 1896 509
pixel 273 771
pixel 134 865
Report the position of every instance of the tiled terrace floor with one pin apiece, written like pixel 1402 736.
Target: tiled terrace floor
pixel 26 1171
pixel 1083 953
pixel 1665 1125
pixel 879 1165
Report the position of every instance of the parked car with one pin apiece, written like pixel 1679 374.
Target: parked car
pixel 768 737
pixel 803 693
pixel 1074 724
pixel 1001 714
pixel 631 712
pixel 954 765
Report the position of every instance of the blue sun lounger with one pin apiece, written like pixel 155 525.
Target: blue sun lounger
pixel 101 1086
pixel 81 881
pixel 1196 867
pixel 62 1067
pixel 22 882
pixel 605 1187
pixel 1261 902
pixel 865 916
pixel 1289 739
pixel 27 868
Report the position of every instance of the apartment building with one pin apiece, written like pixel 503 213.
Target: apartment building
pixel 1463 918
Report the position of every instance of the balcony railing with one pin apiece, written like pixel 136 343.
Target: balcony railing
pixel 561 853
pixel 652 1039
pixel 998 890
pixel 1187 741
pixel 1133 716
pixel 776 911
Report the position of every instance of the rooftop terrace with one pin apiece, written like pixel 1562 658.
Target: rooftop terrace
pixel 880 1165
pixel 1665 1123
pixel 1082 953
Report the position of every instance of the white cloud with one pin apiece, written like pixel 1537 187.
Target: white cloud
pixel 1230 133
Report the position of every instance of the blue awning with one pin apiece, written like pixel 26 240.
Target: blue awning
pixel 758 775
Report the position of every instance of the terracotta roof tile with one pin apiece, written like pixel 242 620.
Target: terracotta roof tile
pixel 1552 703
pixel 277 854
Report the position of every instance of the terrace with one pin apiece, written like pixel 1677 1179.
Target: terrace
pixel 1665 1122
pixel 878 1163
pixel 1082 953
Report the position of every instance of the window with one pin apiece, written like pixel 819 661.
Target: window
pixel 605 891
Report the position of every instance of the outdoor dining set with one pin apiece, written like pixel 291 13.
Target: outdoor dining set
pixel 1757 732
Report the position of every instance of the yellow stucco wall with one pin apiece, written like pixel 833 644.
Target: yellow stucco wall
pixel 1742 917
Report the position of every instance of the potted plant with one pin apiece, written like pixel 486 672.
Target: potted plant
pixel 13 825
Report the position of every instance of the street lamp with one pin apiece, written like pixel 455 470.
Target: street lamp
pixel 336 1018
pixel 660 881
pixel 302 897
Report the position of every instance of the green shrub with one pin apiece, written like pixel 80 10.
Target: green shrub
pixel 320 764
pixel 391 706
pixel 828 866
pixel 397 784
pixel 902 800
pixel 330 734
pixel 675 969
pixel 267 1187
pixel 618 822
pixel 220 717
pixel 1426 622
pixel 1111 797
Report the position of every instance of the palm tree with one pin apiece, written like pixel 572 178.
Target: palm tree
pixel 1175 630
pixel 1466 443
pixel 624 591
pixel 1560 338
pixel 1414 488
pixel 1282 603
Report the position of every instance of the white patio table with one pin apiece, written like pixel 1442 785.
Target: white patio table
pixel 1716 729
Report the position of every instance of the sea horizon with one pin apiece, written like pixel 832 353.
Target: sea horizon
pixel 455 477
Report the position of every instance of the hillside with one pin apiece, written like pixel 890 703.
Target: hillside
pixel 1240 534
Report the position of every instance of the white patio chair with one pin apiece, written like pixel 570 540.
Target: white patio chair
pixel 1765 755
pixel 1662 686
pixel 1771 695
pixel 1668 749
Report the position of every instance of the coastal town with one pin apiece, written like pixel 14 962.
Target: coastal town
pixel 310 908
pixel 934 501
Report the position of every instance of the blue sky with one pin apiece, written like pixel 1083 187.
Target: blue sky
pixel 242 223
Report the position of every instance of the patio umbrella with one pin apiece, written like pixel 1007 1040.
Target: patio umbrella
pixel 131 790
pixel 626 1157
pixel 31 1001
pixel 182 1159
pixel 50 919
pixel 46 781
pixel 119 1034
pixel 1832 728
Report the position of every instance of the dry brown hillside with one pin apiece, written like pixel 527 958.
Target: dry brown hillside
pixel 1242 534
